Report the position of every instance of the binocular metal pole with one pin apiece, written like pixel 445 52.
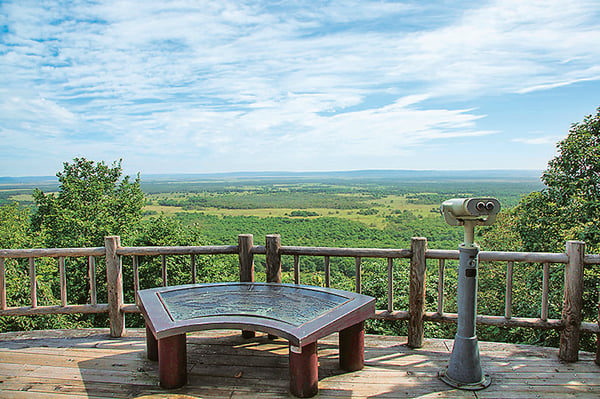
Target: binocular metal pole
pixel 464 368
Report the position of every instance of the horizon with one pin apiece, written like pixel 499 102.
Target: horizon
pixel 256 86
pixel 375 173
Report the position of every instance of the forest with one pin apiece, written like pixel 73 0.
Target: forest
pixel 89 200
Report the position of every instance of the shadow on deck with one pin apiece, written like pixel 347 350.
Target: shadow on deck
pixel 222 364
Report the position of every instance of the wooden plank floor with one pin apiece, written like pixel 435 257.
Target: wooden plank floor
pixel 221 364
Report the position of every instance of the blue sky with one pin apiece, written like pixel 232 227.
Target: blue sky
pixel 216 86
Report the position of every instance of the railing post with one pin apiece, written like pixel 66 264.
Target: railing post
pixel 92 276
pixel 245 244
pixel 2 285
pixel 327 270
pixel 114 286
pixel 390 287
pixel 273 261
pixel 598 336
pixel 296 269
pixel 273 247
pixel 573 302
pixel 32 283
pixel 357 275
pixel 63 280
pixel 416 294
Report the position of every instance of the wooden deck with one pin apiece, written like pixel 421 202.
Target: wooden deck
pixel 222 364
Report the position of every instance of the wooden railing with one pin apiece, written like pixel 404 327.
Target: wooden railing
pixel 570 325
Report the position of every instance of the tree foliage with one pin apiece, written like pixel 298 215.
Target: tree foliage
pixel 14 233
pixel 93 201
pixel 569 207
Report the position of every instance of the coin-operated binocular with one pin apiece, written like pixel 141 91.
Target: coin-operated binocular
pixel 464 368
pixel 470 212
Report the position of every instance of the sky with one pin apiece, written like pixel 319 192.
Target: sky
pixel 188 86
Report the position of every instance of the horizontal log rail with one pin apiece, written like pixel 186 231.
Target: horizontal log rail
pixel 51 252
pixel 490 256
pixel 570 325
pixel 153 251
pixel 54 309
pixel 347 252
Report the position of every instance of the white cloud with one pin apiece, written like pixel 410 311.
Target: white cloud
pixel 591 74
pixel 541 140
pixel 35 117
pixel 154 77
pixel 506 46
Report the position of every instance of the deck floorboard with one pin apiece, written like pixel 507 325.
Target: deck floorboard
pixel 221 364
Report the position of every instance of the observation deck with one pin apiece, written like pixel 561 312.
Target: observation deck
pixel 91 364
pixel 112 363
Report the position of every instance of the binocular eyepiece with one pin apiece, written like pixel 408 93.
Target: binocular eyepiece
pixel 484 206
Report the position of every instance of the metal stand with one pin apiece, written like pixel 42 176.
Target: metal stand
pixel 464 369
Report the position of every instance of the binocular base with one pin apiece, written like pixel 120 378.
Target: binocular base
pixel 464 368
pixel 485 382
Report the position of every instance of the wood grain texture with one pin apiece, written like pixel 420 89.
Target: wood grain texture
pixel 246 257
pixel 2 285
pixel 246 261
pixel 273 258
pixel 32 283
pixel 91 364
pixel 416 293
pixel 509 290
pixel 114 286
pixel 573 302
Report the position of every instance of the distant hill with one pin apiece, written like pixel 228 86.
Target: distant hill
pixel 27 179
pixel 400 175
pixel 28 182
pixel 531 176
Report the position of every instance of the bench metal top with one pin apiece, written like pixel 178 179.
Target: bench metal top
pixel 299 313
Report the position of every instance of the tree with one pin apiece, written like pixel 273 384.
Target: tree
pixel 569 207
pixel 93 201
pixel 14 222
pixel 14 226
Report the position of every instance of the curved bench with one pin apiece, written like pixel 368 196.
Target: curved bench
pixel 301 314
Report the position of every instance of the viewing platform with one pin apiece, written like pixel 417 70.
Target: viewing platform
pixel 223 364
pixel 113 363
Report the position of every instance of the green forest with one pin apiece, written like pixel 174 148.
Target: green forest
pixel 89 200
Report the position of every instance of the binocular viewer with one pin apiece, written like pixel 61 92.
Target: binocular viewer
pixel 464 368
pixel 483 211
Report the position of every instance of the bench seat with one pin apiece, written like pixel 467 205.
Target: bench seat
pixel 298 313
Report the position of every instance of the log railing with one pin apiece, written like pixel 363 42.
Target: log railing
pixel 61 254
pixel 570 325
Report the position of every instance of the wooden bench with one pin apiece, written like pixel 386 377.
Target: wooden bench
pixel 301 314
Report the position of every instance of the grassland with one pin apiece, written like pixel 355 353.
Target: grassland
pixel 369 197
pixel 373 214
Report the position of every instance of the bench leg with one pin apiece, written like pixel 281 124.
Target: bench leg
pixel 151 345
pixel 172 361
pixel 352 347
pixel 304 371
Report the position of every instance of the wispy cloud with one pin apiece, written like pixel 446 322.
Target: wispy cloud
pixel 144 78
pixel 540 140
